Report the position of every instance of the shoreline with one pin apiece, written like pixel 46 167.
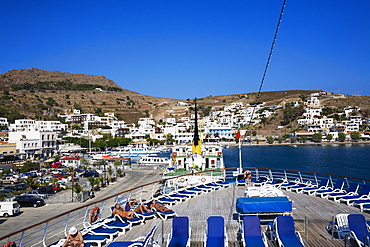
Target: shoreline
pixel 301 144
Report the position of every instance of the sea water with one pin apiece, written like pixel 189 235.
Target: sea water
pixel 352 160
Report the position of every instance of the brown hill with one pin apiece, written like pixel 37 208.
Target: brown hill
pixel 40 94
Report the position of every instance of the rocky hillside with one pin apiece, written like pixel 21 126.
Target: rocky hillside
pixel 40 94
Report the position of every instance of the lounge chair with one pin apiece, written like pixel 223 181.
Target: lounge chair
pixel 359 230
pixel 135 221
pixel 323 185
pixel 251 232
pixel 98 239
pixel 284 233
pixel 352 190
pixel 338 187
pixel 101 230
pixel 216 232
pixel 205 188
pixel 139 242
pixel 116 224
pixel 180 236
pixel 363 194
pixel 339 228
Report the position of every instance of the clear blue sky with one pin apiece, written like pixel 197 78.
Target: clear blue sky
pixel 193 48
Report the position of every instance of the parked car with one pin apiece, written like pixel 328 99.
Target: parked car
pixel 37 193
pixel 55 187
pixel 58 176
pixel 16 187
pixel 90 173
pixel 62 185
pixel 48 189
pixel 29 201
pixel 9 180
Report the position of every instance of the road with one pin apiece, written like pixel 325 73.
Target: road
pixel 31 216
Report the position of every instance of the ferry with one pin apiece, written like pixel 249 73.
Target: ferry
pixel 155 161
pixel 134 151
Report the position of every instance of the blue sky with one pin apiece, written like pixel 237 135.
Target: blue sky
pixel 193 48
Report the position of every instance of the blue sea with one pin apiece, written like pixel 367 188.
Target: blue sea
pixel 351 160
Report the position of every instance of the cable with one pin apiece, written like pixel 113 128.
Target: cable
pixel 268 60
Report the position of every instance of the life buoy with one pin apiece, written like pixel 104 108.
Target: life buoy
pixel 219 154
pixel 10 244
pixel 182 180
pixel 203 179
pixel 174 154
pixel 94 214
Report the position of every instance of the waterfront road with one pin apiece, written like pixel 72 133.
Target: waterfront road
pixel 30 215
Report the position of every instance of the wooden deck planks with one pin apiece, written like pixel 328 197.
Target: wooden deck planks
pixel 317 211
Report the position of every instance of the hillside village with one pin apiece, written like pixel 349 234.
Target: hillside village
pixel 32 139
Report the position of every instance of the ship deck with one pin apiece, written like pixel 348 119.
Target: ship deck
pixel 317 211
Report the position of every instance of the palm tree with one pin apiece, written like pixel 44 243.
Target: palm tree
pixel 93 182
pixel 29 181
pixel 110 173
pixel 77 188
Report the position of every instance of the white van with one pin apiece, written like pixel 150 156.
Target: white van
pixel 9 208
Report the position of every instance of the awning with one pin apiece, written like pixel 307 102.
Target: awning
pixel 50 160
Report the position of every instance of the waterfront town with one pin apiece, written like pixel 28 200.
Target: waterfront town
pixel 35 140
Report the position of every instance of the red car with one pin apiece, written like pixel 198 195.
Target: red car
pixel 59 176
pixel 56 165
pixel 55 187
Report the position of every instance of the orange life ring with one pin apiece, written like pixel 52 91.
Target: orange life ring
pixel 10 244
pixel 174 154
pixel 219 154
pixel 94 214
pixel 182 180
pixel 203 179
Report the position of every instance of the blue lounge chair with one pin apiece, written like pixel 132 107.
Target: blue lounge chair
pixel 116 224
pixel 323 185
pixel 165 215
pixel 359 229
pixel 139 242
pixel 251 232
pixel 363 194
pixel 165 200
pixel 338 187
pixel 284 232
pixel 135 221
pixel 216 233
pixel 101 230
pixel 91 238
pixel 180 236
pixel 352 190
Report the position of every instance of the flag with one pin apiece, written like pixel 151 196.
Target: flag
pixel 196 139
pixel 238 134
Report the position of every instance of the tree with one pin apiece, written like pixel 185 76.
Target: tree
pixel 317 137
pixel 329 137
pixel 341 137
pixel 303 139
pixel 355 136
pixel 30 182
pixel 270 139
pixel 77 188
pixel 303 97
pixel 290 114
pixel 93 182
pixel 293 139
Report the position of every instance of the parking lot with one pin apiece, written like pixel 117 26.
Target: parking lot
pixel 30 215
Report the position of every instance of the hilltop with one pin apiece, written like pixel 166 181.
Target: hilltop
pixel 41 94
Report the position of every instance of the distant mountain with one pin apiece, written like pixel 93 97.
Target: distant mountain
pixel 41 94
